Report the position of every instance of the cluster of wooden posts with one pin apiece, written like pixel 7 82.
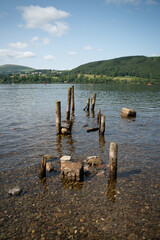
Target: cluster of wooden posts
pixel 113 152
pixel 70 101
pixel 100 119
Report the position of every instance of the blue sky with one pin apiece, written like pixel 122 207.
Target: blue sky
pixel 63 34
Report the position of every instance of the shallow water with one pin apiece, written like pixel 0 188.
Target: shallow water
pixel 126 209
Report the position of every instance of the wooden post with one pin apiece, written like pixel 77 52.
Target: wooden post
pixel 93 100
pixel 88 103
pixel 102 124
pixel 58 117
pixel 72 98
pixel 113 152
pixel 98 116
pixel 68 104
pixel 42 169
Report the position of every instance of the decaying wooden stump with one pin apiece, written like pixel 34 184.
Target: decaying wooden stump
pixel 42 169
pixel 98 116
pixel 92 129
pixel 72 99
pixel 58 117
pixel 72 170
pixel 93 101
pixel 68 104
pixel 88 103
pixel 113 153
pixel 127 112
pixel 102 124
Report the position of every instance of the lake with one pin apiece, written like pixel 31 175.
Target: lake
pixel 128 209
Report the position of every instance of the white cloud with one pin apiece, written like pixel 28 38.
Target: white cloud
pixel 8 53
pixel 18 45
pixel 47 19
pixel 88 48
pixel 49 57
pixel 100 50
pixel 34 39
pixel 40 42
pixel 46 41
pixel 72 53
pixel 133 2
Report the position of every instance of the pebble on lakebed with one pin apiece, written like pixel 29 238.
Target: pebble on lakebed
pixel 15 191
pixel 49 167
pixel 93 161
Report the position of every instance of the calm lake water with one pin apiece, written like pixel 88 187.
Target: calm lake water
pixel 130 209
pixel 27 120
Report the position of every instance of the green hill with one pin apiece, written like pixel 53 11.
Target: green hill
pixel 137 66
pixel 11 68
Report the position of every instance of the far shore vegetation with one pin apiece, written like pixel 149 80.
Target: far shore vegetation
pixel 136 69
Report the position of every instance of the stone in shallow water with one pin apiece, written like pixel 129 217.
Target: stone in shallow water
pixel 101 173
pixel 65 158
pixel 94 161
pixel 15 191
pixel 49 167
pixel 72 170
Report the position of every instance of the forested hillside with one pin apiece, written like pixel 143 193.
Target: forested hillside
pixel 11 68
pixel 139 69
pixel 138 66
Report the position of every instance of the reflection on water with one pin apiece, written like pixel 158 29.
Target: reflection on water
pixel 27 132
pixel 72 185
pixel 101 141
pixel 111 192
pixel 30 111
pixel 65 140
pixel 44 182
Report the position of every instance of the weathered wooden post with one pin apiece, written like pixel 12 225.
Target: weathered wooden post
pixel 113 152
pixel 93 101
pixel 72 99
pixel 102 124
pixel 58 117
pixel 98 115
pixel 88 103
pixel 42 169
pixel 68 104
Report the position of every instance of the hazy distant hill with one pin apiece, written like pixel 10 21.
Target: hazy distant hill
pixel 11 68
pixel 139 66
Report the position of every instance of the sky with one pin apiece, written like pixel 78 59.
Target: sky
pixel 64 34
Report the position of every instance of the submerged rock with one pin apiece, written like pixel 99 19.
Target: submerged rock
pixel 94 161
pixel 49 167
pixel 65 158
pixel 15 191
pixel 101 173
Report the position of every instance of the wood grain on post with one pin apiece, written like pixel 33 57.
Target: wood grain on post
pixel 68 104
pixel 58 117
pixel 93 101
pixel 113 152
pixel 98 116
pixel 72 98
pixel 102 124
pixel 88 103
